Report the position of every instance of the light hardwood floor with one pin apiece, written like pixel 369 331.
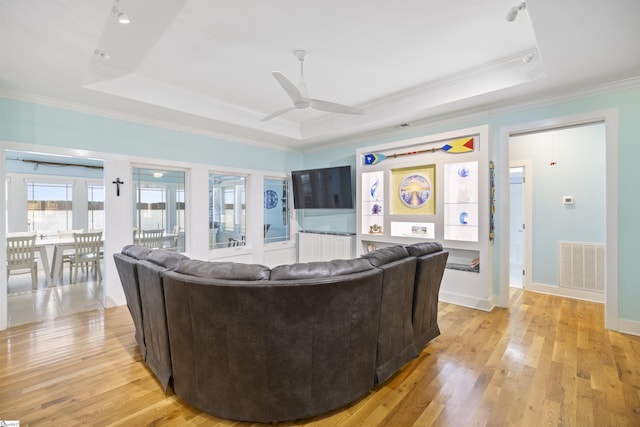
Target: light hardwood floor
pixel 545 361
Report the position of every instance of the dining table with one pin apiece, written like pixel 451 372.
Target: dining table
pixel 52 268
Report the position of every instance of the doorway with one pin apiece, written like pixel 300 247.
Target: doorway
pixel 516 226
pixel 52 197
pixel 567 209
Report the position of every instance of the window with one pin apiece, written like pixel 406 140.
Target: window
pixel 227 211
pixel 95 209
pixel 49 208
pixel 159 208
pixel 152 207
pixel 276 210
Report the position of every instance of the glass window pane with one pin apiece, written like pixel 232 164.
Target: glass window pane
pixel 159 209
pixel 49 208
pixel 276 210
pixel 96 207
pixel 227 211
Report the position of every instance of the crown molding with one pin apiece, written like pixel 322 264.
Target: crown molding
pixel 472 114
pixel 116 115
pixel 424 124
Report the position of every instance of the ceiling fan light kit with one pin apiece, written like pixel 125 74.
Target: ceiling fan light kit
pixel 300 95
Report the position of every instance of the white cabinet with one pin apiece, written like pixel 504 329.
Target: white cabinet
pixel 314 246
pixel 309 247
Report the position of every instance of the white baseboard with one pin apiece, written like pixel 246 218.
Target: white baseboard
pixel 629 327
pixel 580 294
pixel 466 301
pixel 625 326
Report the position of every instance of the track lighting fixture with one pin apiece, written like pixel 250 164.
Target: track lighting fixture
pixel 123 18
pixel 101 54
pixel 513 12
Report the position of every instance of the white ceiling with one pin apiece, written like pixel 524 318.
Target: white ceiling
pixel 206 65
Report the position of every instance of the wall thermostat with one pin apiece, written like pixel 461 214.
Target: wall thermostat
pixel 567 200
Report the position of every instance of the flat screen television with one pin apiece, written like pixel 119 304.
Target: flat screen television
pixel 327 188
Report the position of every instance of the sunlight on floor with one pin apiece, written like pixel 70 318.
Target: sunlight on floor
pixel 26 305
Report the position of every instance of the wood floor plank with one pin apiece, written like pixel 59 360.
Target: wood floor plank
pixel 544 361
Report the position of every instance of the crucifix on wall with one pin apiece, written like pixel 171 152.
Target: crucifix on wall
pixel 117 182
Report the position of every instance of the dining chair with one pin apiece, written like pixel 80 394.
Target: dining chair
pixel 68 254
pixel 95 230
pixel 21 256
pixel 87 248
pixel 152 238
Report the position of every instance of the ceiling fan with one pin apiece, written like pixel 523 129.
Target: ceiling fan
pixel 300 96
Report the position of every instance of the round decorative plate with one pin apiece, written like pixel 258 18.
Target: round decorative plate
pixel 415 191
pixel 270 199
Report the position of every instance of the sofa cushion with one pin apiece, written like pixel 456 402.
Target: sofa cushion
pixel 136 251
pixel 223 270
pixel 424 248
pixel 166 259
pixel 386 255
pixel 311 270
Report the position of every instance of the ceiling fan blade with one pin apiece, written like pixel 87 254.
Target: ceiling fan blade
pixel 332 107
pixel 277 113
pixel 289 87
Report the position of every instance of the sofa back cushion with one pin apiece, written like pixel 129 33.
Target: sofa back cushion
pixel 127 267
pixel 386 255
pixel 166 259
pixel 136 251
pixel 312 270
pixel 265 351
pixel 424 248
pixel 223 270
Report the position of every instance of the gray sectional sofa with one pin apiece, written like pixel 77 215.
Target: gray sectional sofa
pixel 250 343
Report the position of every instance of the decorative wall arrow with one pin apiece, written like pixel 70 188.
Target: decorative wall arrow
pixel 462 145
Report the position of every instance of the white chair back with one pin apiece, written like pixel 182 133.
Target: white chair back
pixel 68 234
pixel 21 256
pixel 87 251
pixel 152 238
pixel 21 251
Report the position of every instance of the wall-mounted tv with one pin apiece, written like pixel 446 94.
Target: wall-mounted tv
pixel 327 188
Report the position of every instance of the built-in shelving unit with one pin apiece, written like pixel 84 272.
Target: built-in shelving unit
pixel 432 188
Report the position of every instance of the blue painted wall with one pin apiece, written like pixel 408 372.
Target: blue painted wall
pixel 44 125
pixel 579 157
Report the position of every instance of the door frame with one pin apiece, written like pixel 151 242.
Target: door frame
pixel 527 210
pixel 610 119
